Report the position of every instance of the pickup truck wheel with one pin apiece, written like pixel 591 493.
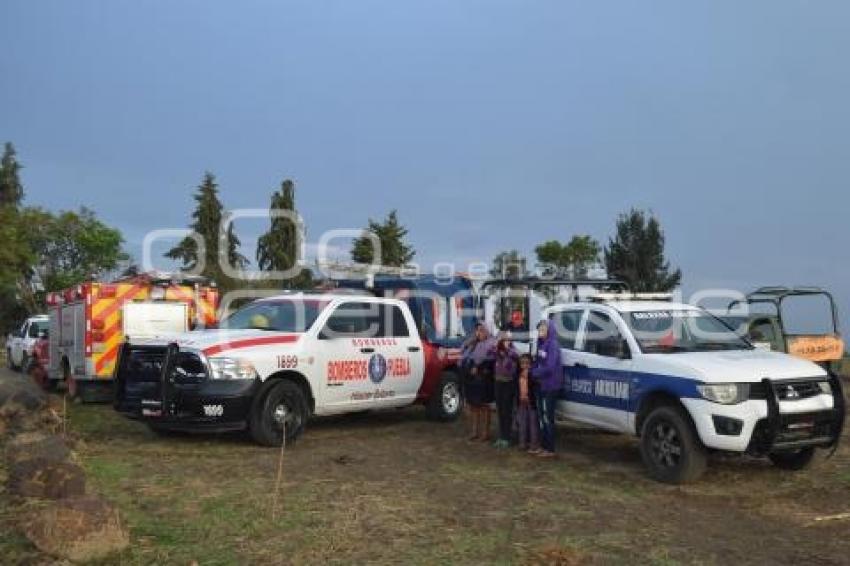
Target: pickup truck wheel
pixel 795 460
pixel 25 363
pixel 283 405
pixel 670 447
pixel 446 401
pixel 9 362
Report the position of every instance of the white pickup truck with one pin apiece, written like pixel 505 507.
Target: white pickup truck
pixel 681 380
pixel 19 344
pixel 278 361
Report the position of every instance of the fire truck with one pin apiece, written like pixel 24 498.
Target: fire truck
pixel 89 322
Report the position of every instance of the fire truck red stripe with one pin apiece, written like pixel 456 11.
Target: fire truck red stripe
pixel 250 343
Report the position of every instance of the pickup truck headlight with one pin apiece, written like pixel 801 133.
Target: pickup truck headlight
pixel 825 387
pixel 231 368
pixel 725 393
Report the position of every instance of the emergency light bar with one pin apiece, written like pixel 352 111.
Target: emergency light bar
pixel 365 270
pixel 605 297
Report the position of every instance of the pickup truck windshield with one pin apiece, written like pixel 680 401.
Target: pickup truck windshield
pixel 672 331
pixel 277 316
pixel 36 327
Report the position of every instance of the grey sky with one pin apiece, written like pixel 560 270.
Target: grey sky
pixel 488 124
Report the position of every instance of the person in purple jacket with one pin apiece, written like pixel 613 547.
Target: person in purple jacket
pixel 547 375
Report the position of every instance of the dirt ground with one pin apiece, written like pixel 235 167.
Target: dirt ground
pixel 396 488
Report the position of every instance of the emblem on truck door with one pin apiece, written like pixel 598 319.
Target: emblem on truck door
pixel 377 368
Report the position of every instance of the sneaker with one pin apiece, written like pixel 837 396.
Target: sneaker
pixel 545 454
pixel 534 451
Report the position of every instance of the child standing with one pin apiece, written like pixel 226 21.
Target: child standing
pixel 526 414
pixel 505 359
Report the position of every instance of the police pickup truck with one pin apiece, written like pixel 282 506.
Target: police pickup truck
pixel 278 361
pixel 686 384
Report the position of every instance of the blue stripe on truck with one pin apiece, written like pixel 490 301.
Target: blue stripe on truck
pixel 622 390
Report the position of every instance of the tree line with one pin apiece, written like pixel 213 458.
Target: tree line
pixel 634 255
pixel 44 251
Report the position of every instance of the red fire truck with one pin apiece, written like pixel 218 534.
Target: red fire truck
pixel 88 323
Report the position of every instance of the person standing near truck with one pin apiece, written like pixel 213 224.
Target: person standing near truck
pixel 477 363
pixel 547 375
pixel 528 426
pixel 505 358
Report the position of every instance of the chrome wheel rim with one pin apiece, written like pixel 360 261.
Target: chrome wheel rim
pixel 451 398
pixel 283 416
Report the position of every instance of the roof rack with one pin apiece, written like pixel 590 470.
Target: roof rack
pixel 539 281
pixel 779 291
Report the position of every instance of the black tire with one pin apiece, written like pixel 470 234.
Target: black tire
pixel 446 402
pixel 9 363
pixel 670 447
pixel 793 461
pixel 25 363
pixel 265 426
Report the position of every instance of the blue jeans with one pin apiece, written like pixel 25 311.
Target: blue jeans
pixel 546 414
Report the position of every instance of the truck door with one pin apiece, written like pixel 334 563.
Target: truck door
pixel 603 372
pixel 405 359
pixel 352 356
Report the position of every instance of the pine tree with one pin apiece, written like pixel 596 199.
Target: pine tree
pixel 208 216
pixel 636 254
pixel 395 252
pixel 278 248
pixel 11 189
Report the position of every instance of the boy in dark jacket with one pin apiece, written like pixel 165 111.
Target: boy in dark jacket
pixel 528 426
pixel 547 374
pixel 505 359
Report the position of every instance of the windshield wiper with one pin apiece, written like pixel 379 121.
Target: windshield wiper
pixel 711 346
pixel 665 349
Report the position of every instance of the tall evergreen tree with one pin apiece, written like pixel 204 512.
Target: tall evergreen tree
pixel 278 248
pixel 11 189
pixel 207 218
pixel 395 252
pixel 636 254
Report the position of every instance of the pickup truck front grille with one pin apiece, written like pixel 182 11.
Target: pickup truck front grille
pixel 143 364
pixel 790 391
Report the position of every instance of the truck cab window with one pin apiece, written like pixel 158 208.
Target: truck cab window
pixel 395 325
pixel 353 320
pixel 566 325
pixel 602 337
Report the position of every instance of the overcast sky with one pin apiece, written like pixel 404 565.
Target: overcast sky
pixel 487 124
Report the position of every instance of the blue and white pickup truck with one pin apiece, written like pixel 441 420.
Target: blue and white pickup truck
pixel 678 378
